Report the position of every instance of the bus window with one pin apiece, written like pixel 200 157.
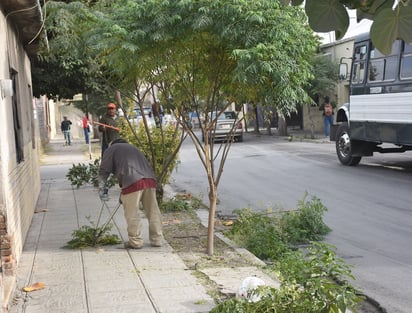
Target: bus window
pixel 358 70
pixel 406 62
pixel 382 67
pixel 376 70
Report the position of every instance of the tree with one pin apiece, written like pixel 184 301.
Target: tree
pixel 204 56
pixel 201 56
pixel 325 78
pixel 64 67
pixel 392 19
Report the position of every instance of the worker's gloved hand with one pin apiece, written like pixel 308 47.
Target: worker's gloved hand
pixel 104 194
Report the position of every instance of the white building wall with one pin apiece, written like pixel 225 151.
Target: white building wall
pixel 19 181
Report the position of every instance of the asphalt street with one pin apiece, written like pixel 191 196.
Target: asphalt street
pixel 369 206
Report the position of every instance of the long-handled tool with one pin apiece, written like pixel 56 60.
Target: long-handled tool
pixel 90 149
pixel 102 228
pixel 105 125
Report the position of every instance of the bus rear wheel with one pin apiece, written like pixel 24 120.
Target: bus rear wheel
pixel 343 146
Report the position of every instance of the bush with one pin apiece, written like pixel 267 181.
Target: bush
pixel 258 233
pixel 165 143
pixel 312 282
pixel 175 205
pixel 268 235
pixel 83 174
pixel 313 291
pixel 306 223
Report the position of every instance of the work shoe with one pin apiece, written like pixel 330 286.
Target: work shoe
pixel 156 244
pixel 128 245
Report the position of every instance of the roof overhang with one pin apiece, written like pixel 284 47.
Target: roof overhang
pixel 27 17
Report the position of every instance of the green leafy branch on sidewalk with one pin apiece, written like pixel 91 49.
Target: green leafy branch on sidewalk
pixel 92 236
pixel 313 278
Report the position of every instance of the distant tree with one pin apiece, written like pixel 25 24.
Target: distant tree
pixel 64 67
pixel 325 78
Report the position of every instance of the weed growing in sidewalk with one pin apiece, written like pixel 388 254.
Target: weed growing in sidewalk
pixel 175 205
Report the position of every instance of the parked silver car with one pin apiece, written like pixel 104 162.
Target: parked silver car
pixel 227 127
pixel 136 117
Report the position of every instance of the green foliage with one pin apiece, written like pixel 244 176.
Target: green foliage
pixel 258 233
pixel 325 77
pixel 312 282
pixel 268 235
pixel 203 55
pixel 92 236
pixel 83 174
pixel 198 56
pixel 175 205
pixel 321 273
pixel 160 151
pixel 65 66
pixel 181 203
pixel 388 24
pixel 305 224
pixel 308 286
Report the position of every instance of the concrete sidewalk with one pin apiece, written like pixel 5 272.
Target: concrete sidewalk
pixel 110 279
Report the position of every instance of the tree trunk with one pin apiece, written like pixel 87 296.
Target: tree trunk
pixel 311 122
pixel 159 193
pixel 282 126
pixel 211 221
pixel 268 121
pixel 256 120
pixel 119 99
pixel 244 117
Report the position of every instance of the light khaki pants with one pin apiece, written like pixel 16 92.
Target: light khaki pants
pixel 131 205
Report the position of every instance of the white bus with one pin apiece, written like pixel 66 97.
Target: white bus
pixel 378 117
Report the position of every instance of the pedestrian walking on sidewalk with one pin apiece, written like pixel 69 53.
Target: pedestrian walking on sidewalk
pixel 138 183
pixel 86 128
pixel 65 127
pixel 108 126
pixel 327 109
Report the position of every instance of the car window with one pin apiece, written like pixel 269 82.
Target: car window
pixel 227 115
pixel 147 112
pixel 230 115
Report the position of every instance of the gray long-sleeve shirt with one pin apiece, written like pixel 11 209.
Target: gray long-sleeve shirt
pixel 127 163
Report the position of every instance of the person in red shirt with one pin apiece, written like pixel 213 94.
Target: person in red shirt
pixel 86 128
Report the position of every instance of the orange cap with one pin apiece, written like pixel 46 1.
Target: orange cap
pixel 111 105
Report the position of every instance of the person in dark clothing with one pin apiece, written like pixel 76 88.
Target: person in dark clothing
pixel 109 127
pixel 157 111
pixel 328 115
pixel 65 128
pixel 138 183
